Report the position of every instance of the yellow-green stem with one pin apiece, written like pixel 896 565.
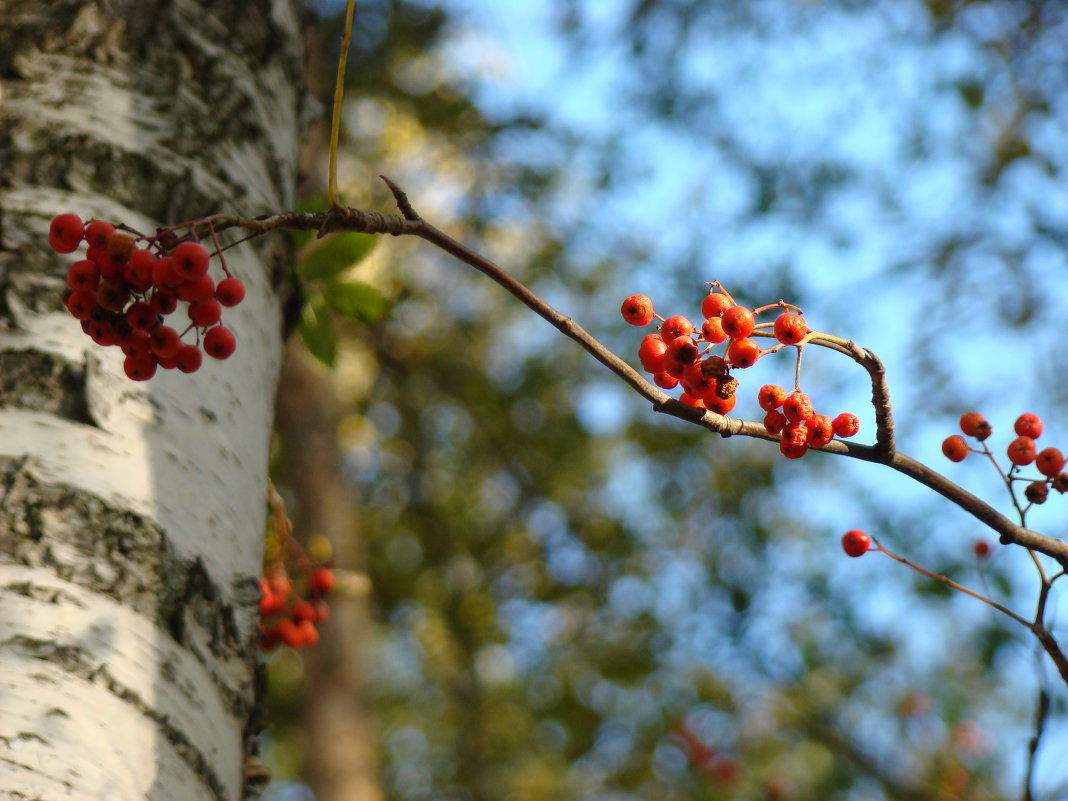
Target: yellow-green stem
pixel 339 92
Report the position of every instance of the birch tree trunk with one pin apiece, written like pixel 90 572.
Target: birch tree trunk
pixel 131 515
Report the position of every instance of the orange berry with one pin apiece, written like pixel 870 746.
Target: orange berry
pixel 738 322
pixel 637 310
pixel 1021 451
pixel 856 543
pixel 714 304
pixel 771 397
pixel 323 580
pixel 975 425
pixel 1050 461
pixel 1028 425
pixel 790 328
pixel 846 425
pixel 743 352
pixel 955 448
pixel 712 330
pixel 720 405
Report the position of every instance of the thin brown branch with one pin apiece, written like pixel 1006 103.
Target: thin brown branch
pixel 883 452
pixel 951 583
pixel 1041 714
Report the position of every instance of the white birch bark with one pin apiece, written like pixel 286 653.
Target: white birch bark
pixel 131 515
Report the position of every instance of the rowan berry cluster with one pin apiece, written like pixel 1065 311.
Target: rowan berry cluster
pixel 286 619
pixel 680 353
pixel 123 293
pixel 1021 452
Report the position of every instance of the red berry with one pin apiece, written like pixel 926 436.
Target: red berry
pixel 219 342
pixel 650 352
pixel 198 290
pixel 302 610
pixel 322 580
pixel 665 381
pixel 165 342
pixel 714 304
pixel 112 294
pixel 191 260
pixel 308 633
pixel 138 271
pixel 230 291
pixel 205 313
pixel 271 604
pixel 794 442
pixel 165 274
pixel 135 344
pixel 690 400
pixel 738 322
pixel 1049 461
pixel 695 381
pixel 289 633
pixel 163 303
pixel 119 247
pixel 65 233
pixel 141 315
pixel 636 310
pixel 790 328
pixel 720 405
pixel 140 369
pixel 775 421
pixel 981 548
pixel 973 424
pixel 846 425
pixel 102 332
pixel 97 234
pixel 797 407
pixel 955 448
pixel 681 350
pixel 188 358
pixel 712 330
pixel 1021 451
pixel 83 275
pixel 1028 425
pixel 675 326
pixel 81 304
pixel 771 397
pixel 280 583
pixel 856 543
pixel 673 369
pixel 743 352
pixel 820 430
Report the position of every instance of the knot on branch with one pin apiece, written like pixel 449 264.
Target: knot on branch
pixel 362 222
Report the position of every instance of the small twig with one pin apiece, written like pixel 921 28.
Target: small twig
pixel 1041 714
pixel 401 197
pixel 950 583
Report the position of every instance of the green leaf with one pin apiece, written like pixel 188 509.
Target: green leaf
pixel 317 330
pixel 334 256
pixel 356 300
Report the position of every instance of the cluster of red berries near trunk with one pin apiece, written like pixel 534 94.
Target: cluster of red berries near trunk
pixel 682 353
pixel 286 619
pixel 123 294
pixel 1022 452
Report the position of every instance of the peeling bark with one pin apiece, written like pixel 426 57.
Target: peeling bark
pixel 131 516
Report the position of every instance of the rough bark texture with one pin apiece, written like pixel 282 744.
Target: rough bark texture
pixel 342 761
pixel 131 515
